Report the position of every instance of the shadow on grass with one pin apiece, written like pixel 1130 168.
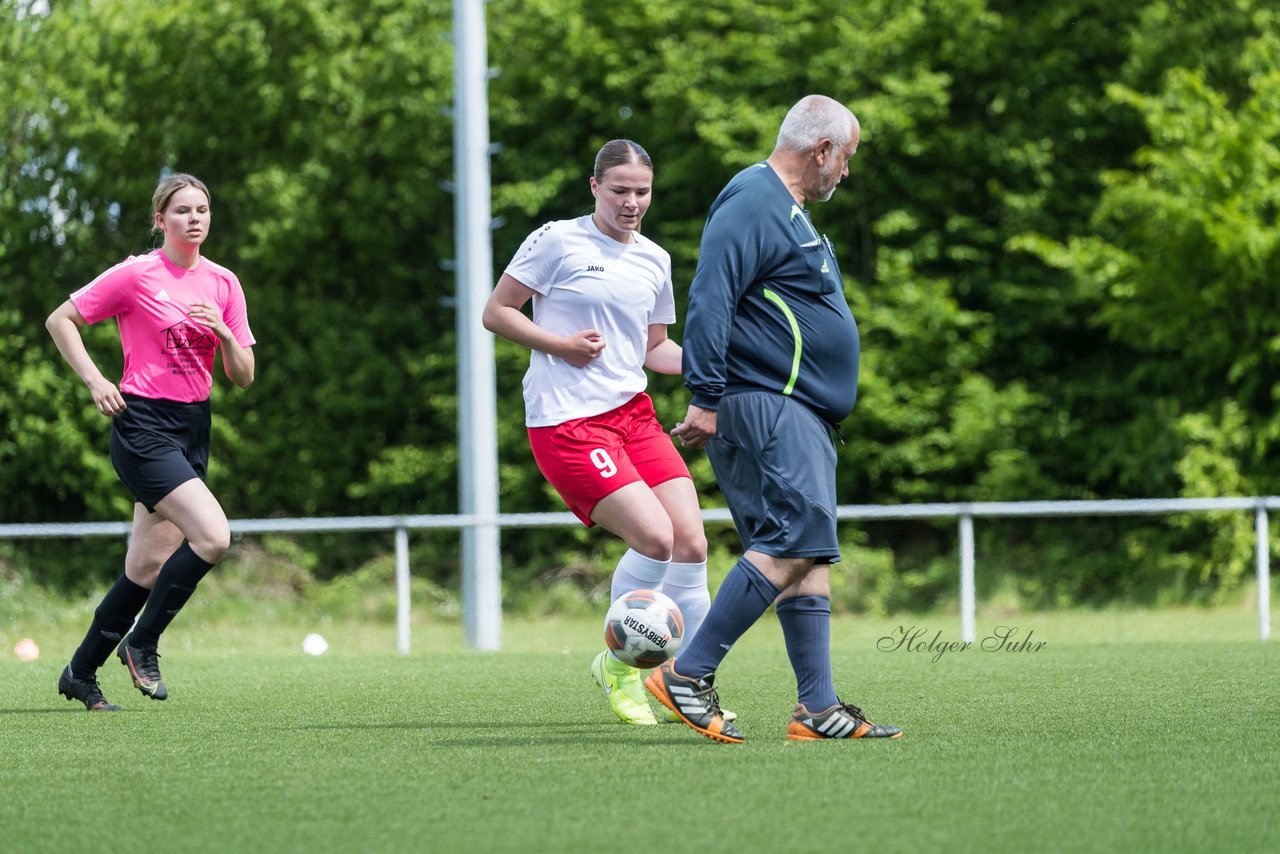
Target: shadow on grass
pixel 47 711
pixel 531 731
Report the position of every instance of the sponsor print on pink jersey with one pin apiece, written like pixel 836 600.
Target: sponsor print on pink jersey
pixel 167 355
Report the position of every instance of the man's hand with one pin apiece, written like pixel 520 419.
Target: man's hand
pixel 697 428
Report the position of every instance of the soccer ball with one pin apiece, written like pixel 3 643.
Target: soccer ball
pixel 644 628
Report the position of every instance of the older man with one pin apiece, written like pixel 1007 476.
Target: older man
pixel 771 358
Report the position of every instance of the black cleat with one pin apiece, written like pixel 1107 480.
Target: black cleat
pixel 144 668
pixel 694 701
pixel 840 721
pixel 84 690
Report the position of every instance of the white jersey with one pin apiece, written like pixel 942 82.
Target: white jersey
pixel 585 279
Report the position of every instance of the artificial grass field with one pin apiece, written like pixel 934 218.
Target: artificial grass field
pixel 1125 732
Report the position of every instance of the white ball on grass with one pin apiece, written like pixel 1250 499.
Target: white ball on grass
pixel 314 644
pixel 26 650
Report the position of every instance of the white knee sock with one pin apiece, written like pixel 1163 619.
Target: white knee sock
pixel 686 584
pixel 635 571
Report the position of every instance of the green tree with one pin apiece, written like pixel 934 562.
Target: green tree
pixel 321 130
pixel 1054 218
pixel 1178 263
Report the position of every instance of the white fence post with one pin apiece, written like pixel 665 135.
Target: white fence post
pixel 1263 534
pixel 402 590
pixel 968 605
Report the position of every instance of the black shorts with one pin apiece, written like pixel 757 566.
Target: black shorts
pixel 158 445
pixel 775 461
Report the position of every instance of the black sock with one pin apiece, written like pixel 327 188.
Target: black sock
pixel 111 620
pixel 806 627
pixel 174 585
pixel 744 595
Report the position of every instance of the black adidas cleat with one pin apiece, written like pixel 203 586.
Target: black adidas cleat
pixel 144 668
pixel 694 701
pixel 840 721
pixel 84 690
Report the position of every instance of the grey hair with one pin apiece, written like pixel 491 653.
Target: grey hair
pixel 816 117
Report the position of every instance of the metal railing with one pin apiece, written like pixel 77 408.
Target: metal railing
pixel 964 512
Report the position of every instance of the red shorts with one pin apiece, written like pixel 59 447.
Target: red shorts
pixel 588 458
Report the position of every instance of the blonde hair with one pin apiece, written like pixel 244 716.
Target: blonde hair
pixel 619 152
pixel 169 185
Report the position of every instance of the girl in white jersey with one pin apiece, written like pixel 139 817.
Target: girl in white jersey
pixel 175 309
pixel 602 299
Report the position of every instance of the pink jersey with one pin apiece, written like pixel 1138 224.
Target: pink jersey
pixel 167 355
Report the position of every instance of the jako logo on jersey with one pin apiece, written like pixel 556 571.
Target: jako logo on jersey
pixel 594 269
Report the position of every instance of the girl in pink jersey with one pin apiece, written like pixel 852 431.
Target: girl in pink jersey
pixel 175 309
pixel 602 299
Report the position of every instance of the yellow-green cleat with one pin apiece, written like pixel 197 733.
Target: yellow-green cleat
pixel 624 689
